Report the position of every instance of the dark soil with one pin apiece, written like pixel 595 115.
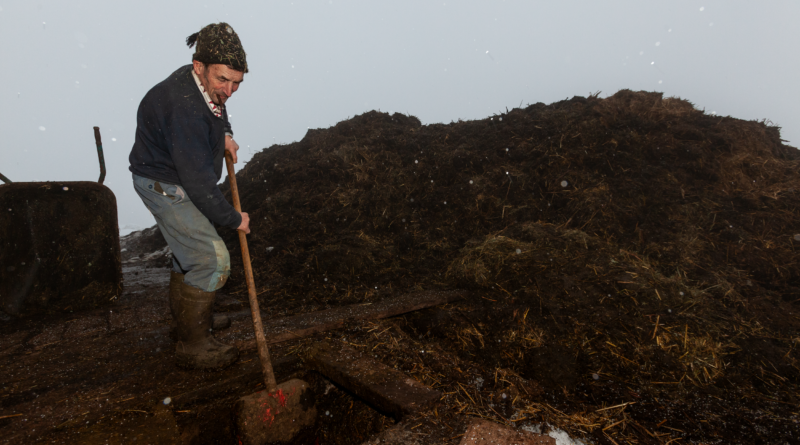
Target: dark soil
pixel 631 262
pixel 102 376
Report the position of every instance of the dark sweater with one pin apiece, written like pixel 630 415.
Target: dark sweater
pixel 180 141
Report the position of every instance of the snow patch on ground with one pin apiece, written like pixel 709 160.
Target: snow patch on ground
pixel 562 438
pixel 532 428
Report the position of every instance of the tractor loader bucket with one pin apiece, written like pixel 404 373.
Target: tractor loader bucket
pixel 60 247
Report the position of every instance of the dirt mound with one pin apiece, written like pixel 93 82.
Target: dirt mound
pixel 632 239
pixel 382 198
pixel 146 248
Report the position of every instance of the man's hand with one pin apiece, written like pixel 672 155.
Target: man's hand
pixel 232 147
pixel 245 225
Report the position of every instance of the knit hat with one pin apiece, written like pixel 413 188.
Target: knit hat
pixel 219 43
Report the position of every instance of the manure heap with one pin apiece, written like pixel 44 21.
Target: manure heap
pixel 640 237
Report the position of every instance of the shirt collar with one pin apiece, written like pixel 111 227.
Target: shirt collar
pixel 216 109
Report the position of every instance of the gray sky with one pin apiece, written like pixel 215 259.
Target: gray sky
pixel 70 65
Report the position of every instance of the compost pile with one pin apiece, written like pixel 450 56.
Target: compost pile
pixel 629 250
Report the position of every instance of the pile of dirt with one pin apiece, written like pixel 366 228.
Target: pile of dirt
pixel 710 198
pixel 631 262
pixel 626 248
pixel 146 248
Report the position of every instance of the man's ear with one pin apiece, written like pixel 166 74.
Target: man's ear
pixel 198 66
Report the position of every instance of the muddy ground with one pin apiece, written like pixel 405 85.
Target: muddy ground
pixel 631 263
pixel 102 377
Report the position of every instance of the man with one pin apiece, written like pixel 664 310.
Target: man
pixel 182 133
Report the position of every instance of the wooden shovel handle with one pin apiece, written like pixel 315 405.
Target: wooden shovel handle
pixel 261 340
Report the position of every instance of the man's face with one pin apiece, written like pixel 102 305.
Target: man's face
pixel 219 80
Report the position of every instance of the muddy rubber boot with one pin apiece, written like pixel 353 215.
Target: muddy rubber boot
pixel 220 321
pixel 197 348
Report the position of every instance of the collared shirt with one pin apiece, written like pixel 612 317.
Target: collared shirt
pixel 216 109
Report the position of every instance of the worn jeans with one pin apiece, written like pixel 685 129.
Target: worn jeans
pixel 197 250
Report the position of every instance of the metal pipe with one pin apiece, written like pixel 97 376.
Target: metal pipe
pixel 6 180
pixel 100 155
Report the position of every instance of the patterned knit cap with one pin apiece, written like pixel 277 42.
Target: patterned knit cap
pixel 219 43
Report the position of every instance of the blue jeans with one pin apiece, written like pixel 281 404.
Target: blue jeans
pixel 197 250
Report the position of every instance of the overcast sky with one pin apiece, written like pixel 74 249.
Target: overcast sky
pixel 70 65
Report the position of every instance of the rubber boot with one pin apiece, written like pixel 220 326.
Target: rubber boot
pixel 197 348
pixel 220 321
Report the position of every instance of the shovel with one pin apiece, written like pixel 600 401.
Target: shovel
pixel 280 412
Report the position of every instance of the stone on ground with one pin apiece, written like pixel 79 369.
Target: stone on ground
pixel 483 432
